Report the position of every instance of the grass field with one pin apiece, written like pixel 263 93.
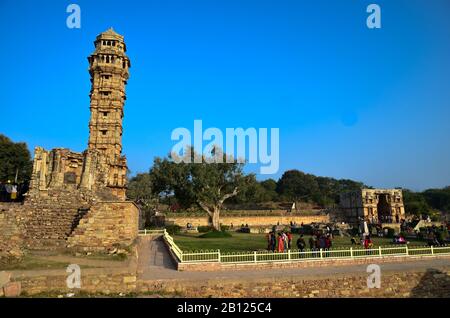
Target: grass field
pixel 254 242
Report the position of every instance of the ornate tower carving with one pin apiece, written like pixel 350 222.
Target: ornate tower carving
pixel 108 67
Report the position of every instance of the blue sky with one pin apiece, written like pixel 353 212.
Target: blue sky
pixel 350 102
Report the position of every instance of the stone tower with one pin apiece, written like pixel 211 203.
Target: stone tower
pixel 108 67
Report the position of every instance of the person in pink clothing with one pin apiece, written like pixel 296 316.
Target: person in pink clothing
pixel 280 243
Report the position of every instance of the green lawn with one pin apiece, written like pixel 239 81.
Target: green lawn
pixel 251 242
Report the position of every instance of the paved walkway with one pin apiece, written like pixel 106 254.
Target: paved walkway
pixel 155 263
pixel 154 260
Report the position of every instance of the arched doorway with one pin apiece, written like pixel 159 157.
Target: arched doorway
pixel 384 209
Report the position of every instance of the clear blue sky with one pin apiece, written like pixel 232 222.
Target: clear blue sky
pixel 370 105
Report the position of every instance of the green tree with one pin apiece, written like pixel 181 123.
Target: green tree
pixel 415 203
pixel 207 185
pixel 140 190
pixel 15 159
pixel 295 185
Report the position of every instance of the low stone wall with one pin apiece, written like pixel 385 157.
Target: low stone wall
pixel 109 283
pixel 105 226
pixel 250 220
pixel 11 239
pixel 431 283
pixel 215 266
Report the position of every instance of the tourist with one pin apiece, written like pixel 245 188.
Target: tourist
pixel 289 237
pixel 285 241
pixel 322 243
pixel 273 242
pixel 368 244
pixel 280 243
pixel 353 240
pixel 312 243
pixel 301 243
pixel 269 241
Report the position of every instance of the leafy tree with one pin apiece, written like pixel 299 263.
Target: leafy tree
pixel 270 190
pixel 438 198
pixel 15 159
pixel 415 203
pixel 297 186
pixel 207 185
pixel 140 190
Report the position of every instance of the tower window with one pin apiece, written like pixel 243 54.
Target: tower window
pixel 103 132
pixel 105 114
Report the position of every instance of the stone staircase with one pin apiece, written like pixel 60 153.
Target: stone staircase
pixel 51 219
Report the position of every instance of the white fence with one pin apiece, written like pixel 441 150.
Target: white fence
pixel 296 255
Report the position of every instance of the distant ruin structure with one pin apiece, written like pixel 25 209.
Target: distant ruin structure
pixel 373 205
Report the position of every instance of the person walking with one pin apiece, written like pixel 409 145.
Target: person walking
pixel 269 241
pixel 301 243
pixel 285 241
pixel 280 243
pixel 289 237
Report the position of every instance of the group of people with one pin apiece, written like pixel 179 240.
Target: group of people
pixel 9 191
pixel 320 241
pixel 280 242
pixel 365 240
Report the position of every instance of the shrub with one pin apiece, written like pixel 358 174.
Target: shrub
pixel 390 232
pixel 224 227
pixel 353 231
pixel 173 229
pixel 216 234
pixel 204 229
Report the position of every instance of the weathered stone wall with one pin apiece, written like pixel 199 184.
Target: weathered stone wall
pixel 11 240
pixel 419 283
pixel 103 283
pixel 250 220
pixel 431 283
pixel 49 219
pixel 105 226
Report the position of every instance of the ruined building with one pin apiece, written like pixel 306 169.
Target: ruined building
pixel 78 199
pixel 373 205
pixel 102 166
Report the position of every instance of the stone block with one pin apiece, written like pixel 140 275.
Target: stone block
pixel 12 289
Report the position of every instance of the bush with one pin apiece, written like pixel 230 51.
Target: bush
pixel 173 229
pixel 204 229
pixel 353 231
pixel 224 227
pixel 390 232
pixel 216 234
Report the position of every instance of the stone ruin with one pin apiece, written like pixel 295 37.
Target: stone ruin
pixel 372 205
pixel 78 200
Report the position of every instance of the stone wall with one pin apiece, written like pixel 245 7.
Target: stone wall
pixel 250 220
pixel 431 283
pixel 105 226
pixel 103 283
pixel 11 239
pixel 417 283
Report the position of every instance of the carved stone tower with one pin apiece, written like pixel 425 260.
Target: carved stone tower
pixel 108 67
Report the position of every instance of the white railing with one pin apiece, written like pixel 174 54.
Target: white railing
pixel 296 255
pixel 151 232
